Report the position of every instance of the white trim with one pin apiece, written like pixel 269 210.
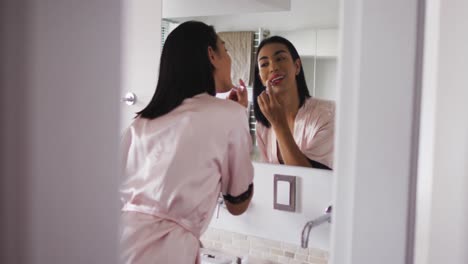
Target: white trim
pixel 426 146
pixel 442 212
pixel 375 150
pixel 60 110
pixel 343 191
pixel 416 130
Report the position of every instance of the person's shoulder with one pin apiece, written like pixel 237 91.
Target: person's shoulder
pixel 225 105
pixel 321 101
pixel 318 111
pixel 134 123
pixel 133 128
pixel 136 127
pixel 321 105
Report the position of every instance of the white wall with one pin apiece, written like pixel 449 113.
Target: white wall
pixel 141 49
pixel 325 83
pixel 62 101
pixel 313 196
pixel 376 123
pixel 183 8
pixel 250 15
pixel 304 40
pixel 442 219
pixel 327 42
pixel 308 64
pixel 321 42
pixel 426 137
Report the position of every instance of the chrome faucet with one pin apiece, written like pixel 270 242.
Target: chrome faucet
pixel 219 203
pixel 326 217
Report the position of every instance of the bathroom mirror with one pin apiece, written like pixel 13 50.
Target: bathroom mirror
pixel 312 27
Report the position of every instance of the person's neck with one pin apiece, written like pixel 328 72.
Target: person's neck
pixel 290 104
pixel 221 87
pixel 218 86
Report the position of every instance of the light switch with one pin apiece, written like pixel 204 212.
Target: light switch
pixel 284 192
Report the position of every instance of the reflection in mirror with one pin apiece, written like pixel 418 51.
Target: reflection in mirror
pixel 293 124
pixel 292 127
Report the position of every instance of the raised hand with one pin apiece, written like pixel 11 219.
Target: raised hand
pixel 239 94
pixel 271 108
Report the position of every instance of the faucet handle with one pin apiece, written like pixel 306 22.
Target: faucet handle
pixel 328 211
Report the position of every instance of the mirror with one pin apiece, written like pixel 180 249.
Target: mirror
pixel 312 27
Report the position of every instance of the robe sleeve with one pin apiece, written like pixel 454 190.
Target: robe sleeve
pixel 237 169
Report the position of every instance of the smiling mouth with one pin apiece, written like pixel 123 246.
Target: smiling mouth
pixel 277 80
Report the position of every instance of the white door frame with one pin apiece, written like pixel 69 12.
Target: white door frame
pixel 377 131
pixel 60 82
pixel 442 213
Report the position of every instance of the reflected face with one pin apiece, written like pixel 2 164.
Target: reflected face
pixel 222 63
pixel 277 66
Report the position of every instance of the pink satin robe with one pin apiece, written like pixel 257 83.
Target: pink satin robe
pixel 174 168
pixel 313 133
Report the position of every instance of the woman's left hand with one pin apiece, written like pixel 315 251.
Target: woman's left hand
pixel 239 94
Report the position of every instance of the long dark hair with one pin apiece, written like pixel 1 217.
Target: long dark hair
pixel 258 87
pixel 185 69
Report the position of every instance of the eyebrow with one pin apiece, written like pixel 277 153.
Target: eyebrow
pixel 276 53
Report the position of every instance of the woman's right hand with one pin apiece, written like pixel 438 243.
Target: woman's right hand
pixel 288 150
pixel 271 108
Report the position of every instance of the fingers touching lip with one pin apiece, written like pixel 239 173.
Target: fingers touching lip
pixel 276 79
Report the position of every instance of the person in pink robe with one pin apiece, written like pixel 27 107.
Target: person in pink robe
pixel 292 127
pixel 183 150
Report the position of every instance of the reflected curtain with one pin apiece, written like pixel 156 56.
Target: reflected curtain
pixel 240 47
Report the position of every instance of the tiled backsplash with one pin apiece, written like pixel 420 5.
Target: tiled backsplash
pixel 260 250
